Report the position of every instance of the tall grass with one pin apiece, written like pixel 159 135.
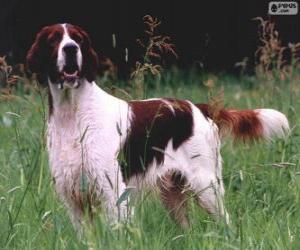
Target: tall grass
pixel 262 180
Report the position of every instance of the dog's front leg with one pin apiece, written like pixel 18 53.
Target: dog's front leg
pixel 112 187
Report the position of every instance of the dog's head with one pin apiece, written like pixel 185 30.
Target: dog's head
pixel 63 54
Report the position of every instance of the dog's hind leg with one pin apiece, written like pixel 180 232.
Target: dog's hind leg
pixel 208 188
pixel 173 196
pixel 211 198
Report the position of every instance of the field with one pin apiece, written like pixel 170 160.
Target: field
pixel 262 180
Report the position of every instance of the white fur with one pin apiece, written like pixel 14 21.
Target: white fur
pixel 166 102
pixel 83 137
pixel 61 59
pixel 91 112
pixel 274 123
pixel 87 129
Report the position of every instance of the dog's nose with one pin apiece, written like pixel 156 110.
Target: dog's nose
pixel 70 48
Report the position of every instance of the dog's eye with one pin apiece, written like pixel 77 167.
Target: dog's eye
pixel 54 37
pixel 78 38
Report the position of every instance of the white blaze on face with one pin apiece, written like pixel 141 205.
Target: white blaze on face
pixel 61 57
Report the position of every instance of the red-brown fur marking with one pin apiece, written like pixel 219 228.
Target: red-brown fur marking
pixel 243 124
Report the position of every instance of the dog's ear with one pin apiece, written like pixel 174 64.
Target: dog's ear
pixel 90 64
pixel 90 60
pixel 36 55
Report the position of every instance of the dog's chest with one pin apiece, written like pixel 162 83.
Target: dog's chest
pixel 83 143
pixel 69 144
pixel 64 147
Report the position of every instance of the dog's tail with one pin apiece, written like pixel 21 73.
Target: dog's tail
pixel 248 124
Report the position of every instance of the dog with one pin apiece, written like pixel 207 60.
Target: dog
pixel 163 143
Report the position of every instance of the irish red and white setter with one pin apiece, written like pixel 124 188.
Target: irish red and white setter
pixel 99 145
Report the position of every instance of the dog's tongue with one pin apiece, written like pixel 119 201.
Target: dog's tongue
pixel 70 77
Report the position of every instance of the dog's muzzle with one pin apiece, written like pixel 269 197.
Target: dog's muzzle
pixel 70 72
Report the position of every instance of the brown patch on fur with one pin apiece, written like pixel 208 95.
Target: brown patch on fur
pixel 243 124
pixel 41 57
pixel 84 198
pixel 173 197
pixel 50 103
pixel 153 125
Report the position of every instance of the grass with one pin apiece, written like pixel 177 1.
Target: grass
pixel 262 198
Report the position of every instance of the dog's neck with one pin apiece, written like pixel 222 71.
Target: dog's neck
pixel 74 105
pixel 64 102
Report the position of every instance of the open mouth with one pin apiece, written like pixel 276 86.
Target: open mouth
pixel 70 70
pixel 70 76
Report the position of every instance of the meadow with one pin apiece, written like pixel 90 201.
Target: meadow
pixel 262 179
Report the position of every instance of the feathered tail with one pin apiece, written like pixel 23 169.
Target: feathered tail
pixel 248 124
